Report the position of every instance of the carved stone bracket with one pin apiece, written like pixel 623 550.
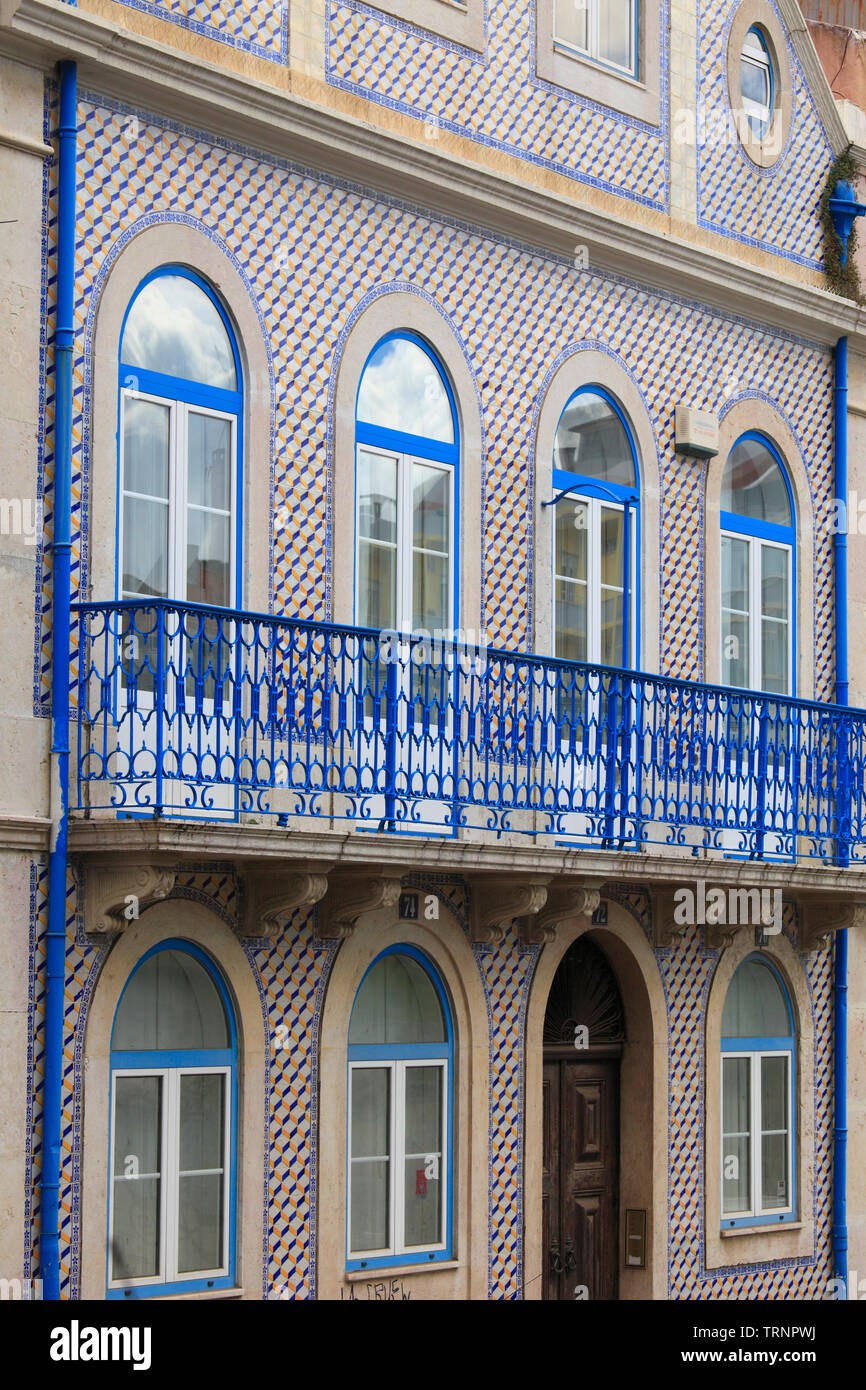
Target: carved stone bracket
pixel 719 935
pixel 496 903
pixel 821 916
pixel 116 894
pixel 666 931
pixel 565 904
pixel 351 895
pixel 271 895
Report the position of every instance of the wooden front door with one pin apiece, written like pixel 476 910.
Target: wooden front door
pixel 581 1177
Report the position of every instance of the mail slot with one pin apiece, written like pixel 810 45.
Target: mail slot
pixel 635 1239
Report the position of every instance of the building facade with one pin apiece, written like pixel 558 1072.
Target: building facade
pixel 445 407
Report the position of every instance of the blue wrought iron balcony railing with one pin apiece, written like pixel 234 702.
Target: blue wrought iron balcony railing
pixel 207 713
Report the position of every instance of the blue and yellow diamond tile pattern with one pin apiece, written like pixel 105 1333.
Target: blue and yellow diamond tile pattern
pixel 686 972
pixel 775 209
pixel 506 974
pixel 293 971
pixel 311 252
pixel 257 27
pixel 495 97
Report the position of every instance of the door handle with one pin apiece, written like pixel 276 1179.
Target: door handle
pixel 555 1261
pixel 570 1261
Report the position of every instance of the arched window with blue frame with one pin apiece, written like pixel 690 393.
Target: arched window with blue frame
pixel 180 421
pixel 758 590
pixel 595 479
pixel 400 1120
pixel 758 1097
pixel 173 1145
pixel 407 457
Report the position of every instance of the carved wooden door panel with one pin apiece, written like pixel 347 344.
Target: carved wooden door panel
pixel 580 1178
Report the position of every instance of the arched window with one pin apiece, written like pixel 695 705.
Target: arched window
pixel 758 1110
pixel 173 1127
pixel 180 425
pixel 407 451
pixel 757 520
pixel 401 1056
pixel 596 482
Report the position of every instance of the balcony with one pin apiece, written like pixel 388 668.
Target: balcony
pixel 213 715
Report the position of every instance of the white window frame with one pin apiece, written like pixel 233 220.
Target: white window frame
pixel 404 543
pixel 397 1157
pixel 169 1187
pixel 593 578
pixel 179 505
pixel 756 545
pixel 592 51
pixel 756 1134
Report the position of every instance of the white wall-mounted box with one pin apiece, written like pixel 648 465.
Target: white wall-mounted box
pixel 697 432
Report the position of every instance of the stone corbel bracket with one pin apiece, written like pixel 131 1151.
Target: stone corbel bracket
pixel 666 930
pixel 566 903
pixel 495 903
pixel 116 894
pixel 347 898
pixel 718 936
pixel 820 917
pixel 270 896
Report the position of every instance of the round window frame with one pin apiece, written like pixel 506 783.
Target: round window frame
pixel 766 149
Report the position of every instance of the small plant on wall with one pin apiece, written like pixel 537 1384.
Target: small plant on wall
pixel 842 279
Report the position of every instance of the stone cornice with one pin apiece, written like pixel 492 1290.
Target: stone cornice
pixel 394 854
pixel 27 833
pixel 235 107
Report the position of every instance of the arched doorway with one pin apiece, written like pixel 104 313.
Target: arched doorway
pixel 584 1033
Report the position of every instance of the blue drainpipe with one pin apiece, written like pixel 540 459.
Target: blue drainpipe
pixel 52 1094
pixel 840 963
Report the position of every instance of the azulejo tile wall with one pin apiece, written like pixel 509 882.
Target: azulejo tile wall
pixel 259 27
pixel 686 972
pixel 310 251
pixel 495 97
pixel 292 973
pixel 775 209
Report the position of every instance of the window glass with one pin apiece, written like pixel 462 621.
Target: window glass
pixel 401 389
pixel 755 1006
pixel 614 32
pixel 774 1132
pixel 201 1176
pixel 171 1003
pixel 570 579
pixel 736 1127
pixel 756 81
pixel 753 485
pixel 370 1158
pixel 397 1003
pixel 591 440
pixel 136 1176
pixel 174 328
pixel 423 1155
